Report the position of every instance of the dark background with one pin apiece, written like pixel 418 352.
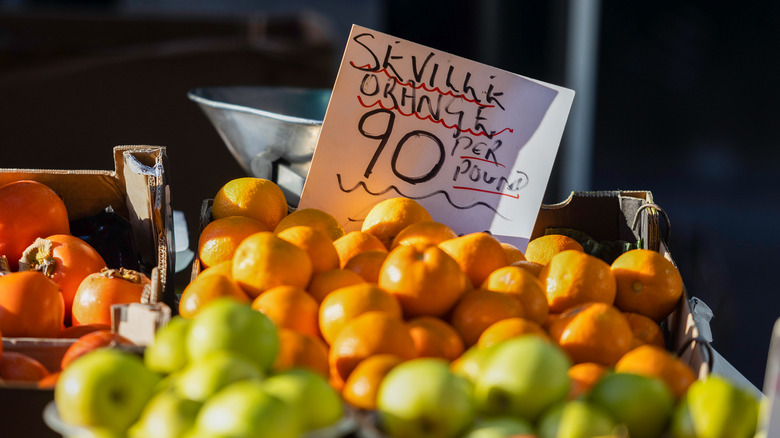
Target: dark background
pixel 685 106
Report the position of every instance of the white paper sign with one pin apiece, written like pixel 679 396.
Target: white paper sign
pixel 473 144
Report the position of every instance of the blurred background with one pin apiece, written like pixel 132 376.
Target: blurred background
pixel 679 98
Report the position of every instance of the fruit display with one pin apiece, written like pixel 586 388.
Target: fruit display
pixel 50 279
pixel 292 326
pixel 209 375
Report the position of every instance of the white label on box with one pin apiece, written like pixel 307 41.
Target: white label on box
pixel 473 144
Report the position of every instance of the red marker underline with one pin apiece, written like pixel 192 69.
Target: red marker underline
pixel 487 191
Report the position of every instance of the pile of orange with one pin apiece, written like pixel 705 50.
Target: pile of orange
pixel 354 304
pixel 52 283
pixel 51 279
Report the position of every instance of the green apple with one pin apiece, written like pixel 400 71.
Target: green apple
pixel 644 404
pixel 227 324
pixel 168 352
pixel 105 388
pixel 715 408
pixel 500 427
pixel 471 362
pixel 576 419
pixel 245 410
pixel 523 376
pixel 203 378
pixel 166 415
pixel 96 432
pixel 424 398
pixel 310 394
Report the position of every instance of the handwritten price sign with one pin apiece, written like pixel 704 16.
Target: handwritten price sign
pixel 473 144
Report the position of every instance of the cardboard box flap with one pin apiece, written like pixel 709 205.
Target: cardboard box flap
pixel 603 215
pixel 142 169
pixel 85 193
pixel 48 352
pixel 692 347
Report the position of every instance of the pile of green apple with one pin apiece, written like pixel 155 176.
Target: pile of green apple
pixel 203 377
pixel 519 388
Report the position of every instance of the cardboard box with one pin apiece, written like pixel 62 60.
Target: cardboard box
pixel 630 216
pixel 137 190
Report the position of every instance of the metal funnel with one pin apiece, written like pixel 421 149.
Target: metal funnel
pixel 271 131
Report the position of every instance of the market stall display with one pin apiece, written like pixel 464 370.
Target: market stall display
pixel 372 308
pixel 124 215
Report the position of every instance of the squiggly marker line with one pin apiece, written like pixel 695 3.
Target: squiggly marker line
pixel 429 118
pixel 422 85
pixel 394 188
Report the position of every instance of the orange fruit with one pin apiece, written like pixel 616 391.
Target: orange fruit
pixel 334 379
pixel 542 249
pixel 574 277
pixel 77 331
pixel 647 283
pixel 67 260
pixel 257 198
pixel 355 242
pixel 264 260
pixel 387 218
pixel 367 264
pixel 98 292
pixel 92 341
pixel 533 268
pixel 206 288
pixel 219 239
pixel 342 305
pixel 290 307
pixel 315 218
pixel 423 233
pixel 523 286
pixel 425 280
pixel 653 361
pixel 323 283
pixel 479 309
pixel 478 254
pixel 366 335
pixel 28 210
pixel 509 328
pixel 513 253
pixel 551 318
pixel 645 330
pixel 593 332
pixel 299 350
pixel 31 305
pixel 433 337
pixel 19 367
pixel 222 268
pixel 49 381
pixel 583 376
pixel 317 245
pixel 362 385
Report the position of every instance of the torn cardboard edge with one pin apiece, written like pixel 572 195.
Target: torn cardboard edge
pixel 138 322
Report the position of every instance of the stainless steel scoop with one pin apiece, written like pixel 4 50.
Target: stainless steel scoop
pixel 271 131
